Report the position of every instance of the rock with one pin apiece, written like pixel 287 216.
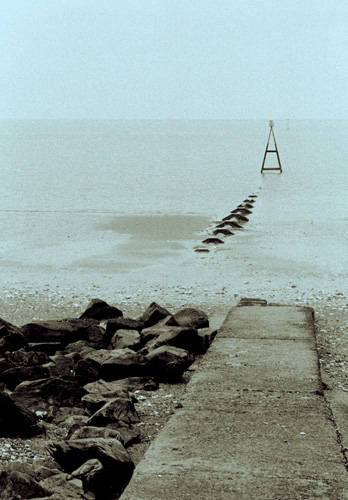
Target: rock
pixel 49 348
pixel 122 363
pixel 213 241
pixel 94 478
pixel 27 358
pixel 93 402
pixel 121 323
pixel 202 250
pixel 87 432
pixel 80 346
pixel 100 310
pixel 64 331
pixel 14 376
pixel 65 414
pixel 40 394
pixel 228 217
pixel 205 338
pixel 225 232
pixel 110 453
pixel 168 363
pixel 64 486
pixel 153 314
pixel 15 485
pixel 119 411
pixel 193 318
pixel 177 336
pixel 11 337
pixel 117 387
pixel 16 420
pixel 5 364
pixel 126 338
pixel 61 366
pixel 87 370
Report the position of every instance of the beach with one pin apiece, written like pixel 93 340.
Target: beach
pixel 56 257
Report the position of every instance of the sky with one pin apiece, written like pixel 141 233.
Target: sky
pixel 174 59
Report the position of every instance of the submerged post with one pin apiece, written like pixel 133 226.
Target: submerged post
pixel 274 150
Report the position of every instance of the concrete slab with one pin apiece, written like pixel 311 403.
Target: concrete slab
pixel 338 402
pixel 240 439
pixel 282 365
pixel 278 322
pixel 254 423
pixel 196 485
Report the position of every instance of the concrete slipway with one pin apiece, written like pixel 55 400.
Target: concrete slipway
pixel 255 422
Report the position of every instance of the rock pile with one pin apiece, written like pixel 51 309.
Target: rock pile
pixel 234 220
pixel 84 373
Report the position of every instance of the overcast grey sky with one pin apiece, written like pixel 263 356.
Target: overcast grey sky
pixel 174 59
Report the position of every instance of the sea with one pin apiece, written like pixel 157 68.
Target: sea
pixel 59 176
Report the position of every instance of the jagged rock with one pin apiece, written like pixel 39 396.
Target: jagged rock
pixel 64 486
pixel 153 314
pixel 11 337
pixel 110 452
pixel 87 370
pixel 100 310
pixel 80 346
pixel 5 364
pixel 119 363
pixel 177 336
pixel 119 411
pixel 126 338
pixel 168 363
pixel 202 250
pixel 117 387
pixel 49 348
pixel 15 485
pixel 64 331
pixel 40 394
pixel 94 478
pixel 27 358
pixel 193 318
pixel 14 376
pixel 93 402
pixel 205 338
pixel 228 217
pixel 87 432
pixel 61 365
pixel 213 241
pixel 122 323
pixel 16 420
pixel 61 415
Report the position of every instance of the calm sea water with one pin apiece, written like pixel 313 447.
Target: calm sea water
pixel 173 167
pixel 198 167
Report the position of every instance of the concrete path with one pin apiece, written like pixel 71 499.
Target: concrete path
pixel 254 424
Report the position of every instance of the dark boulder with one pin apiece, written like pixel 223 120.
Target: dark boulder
pixel 16 420
pixel 15 485
pixel 118 363
pixel 111 453
pixel 153 314
pixel 87 370
pixel 202 250
pixel 40 394
pixel 177 336
pixel 193 318
pixel 100 310
pixel 122 323
pixel 11 337
pixel 117 387
pixel 95 478
pixel 14 376
pixel 27 358
pixel 88 432
pixel 168 363
pixel 64 331
pixel 119 411
pixel 65 486
pixel 126 338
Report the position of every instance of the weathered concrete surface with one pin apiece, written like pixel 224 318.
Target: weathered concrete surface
pixel 254 422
